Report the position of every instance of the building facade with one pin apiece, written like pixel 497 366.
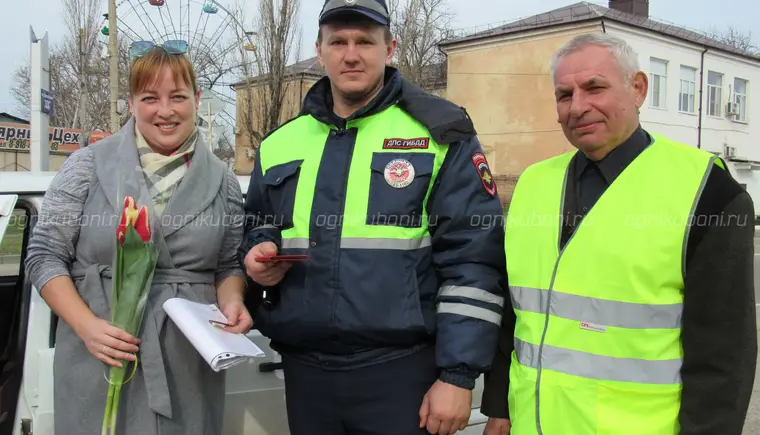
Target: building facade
pixel 251 96
pixel 701 92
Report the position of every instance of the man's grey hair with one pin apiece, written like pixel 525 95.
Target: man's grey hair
pixel 624 54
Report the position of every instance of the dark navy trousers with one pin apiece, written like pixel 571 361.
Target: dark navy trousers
pixel 382 399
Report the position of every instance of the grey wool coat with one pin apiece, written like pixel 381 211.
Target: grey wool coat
pixel 174 391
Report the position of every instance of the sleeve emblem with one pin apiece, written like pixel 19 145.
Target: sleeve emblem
pixel 484 172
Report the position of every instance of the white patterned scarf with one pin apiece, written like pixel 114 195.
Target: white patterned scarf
pixel 164 173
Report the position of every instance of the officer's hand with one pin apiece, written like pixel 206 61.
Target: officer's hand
pixel 265 273
pixel 445 409
pixel 497 426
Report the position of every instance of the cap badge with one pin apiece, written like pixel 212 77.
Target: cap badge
pixel 399 173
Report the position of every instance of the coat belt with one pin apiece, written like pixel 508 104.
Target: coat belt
pixel 167 283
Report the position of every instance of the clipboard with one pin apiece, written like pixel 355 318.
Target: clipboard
pixel 202 325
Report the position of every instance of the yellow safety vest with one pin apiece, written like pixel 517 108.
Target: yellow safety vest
pixel 597 338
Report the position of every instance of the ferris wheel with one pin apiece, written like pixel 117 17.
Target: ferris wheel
pixel 217 45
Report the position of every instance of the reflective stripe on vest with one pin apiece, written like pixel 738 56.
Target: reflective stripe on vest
pixel 597 338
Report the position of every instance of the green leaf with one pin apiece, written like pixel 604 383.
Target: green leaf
pixel 116 280
pixel 139 260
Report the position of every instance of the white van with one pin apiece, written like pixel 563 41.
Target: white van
pixel 27 339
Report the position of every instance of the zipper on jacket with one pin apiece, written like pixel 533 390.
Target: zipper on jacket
pixel 338 132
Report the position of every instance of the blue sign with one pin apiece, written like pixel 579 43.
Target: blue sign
pixel 47 102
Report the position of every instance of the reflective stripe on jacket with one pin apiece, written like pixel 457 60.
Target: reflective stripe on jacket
pixel 597 338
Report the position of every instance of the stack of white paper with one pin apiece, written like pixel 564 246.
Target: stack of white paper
pixel 221 349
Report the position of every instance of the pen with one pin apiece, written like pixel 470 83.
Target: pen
pixel 218 324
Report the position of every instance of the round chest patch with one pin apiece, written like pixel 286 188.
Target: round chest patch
pixel 399 173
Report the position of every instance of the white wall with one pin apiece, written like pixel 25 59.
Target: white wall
pixel 717 132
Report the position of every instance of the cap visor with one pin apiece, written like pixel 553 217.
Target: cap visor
pixel 353 11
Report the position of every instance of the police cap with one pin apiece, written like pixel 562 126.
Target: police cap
pixel 376 10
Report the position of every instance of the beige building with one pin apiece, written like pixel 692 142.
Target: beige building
pixel 502 77
pixel 299 78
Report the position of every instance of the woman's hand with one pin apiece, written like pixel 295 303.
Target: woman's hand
pixel 238 318
pixel 106 342
pixel 229 296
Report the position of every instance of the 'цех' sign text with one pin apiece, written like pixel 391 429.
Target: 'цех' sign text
pixel 18 137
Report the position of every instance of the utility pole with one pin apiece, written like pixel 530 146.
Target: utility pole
pixel 84 122
pixel 113 51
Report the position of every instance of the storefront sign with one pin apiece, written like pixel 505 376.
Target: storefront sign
pixel 17 137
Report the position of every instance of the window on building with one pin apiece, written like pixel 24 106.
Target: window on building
pixel 740 99
pixel 687 94
pixel 714 93
pixel 658 77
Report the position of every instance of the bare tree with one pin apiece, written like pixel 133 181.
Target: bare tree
pixel 21 89
pixel 419 26
pixel 277 39
pixel 79 77
pixel 225 148
pixel 735 38
pixel 81 18
pixel 79 73
pixel 264 61
pixel 61 85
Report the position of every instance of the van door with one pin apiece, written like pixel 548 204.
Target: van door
pixel 10 251
pixel 28 392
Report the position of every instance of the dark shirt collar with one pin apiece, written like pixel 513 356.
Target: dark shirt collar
pixel 319 101
pixel 618 159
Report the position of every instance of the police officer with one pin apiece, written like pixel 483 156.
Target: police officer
pixel 388 323
pixel 636 313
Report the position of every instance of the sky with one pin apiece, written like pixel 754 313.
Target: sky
pixel 44 15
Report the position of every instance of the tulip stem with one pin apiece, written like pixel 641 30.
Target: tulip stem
pixel 114 413
pixel 109 406
pixel 115 382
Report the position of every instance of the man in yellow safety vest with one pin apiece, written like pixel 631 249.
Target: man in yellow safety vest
pixel 630 268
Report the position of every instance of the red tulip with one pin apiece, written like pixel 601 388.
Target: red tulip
pixel 122 229
pixel 136 258
pixel 142 225
pixel 138 219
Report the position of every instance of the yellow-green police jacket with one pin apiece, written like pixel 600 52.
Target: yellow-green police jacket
pixel 398 212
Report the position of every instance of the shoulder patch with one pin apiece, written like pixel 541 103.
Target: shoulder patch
pixel 484 172
pixel 406 144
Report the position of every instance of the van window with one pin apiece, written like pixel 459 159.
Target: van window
pixel 12 244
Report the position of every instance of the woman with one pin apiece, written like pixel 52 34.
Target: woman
pixel 157 156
